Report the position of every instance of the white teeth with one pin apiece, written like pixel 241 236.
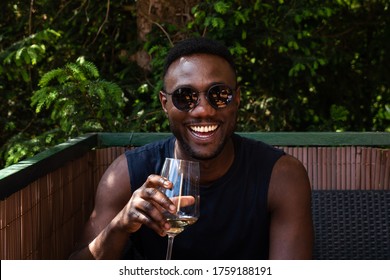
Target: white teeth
pixel 204 129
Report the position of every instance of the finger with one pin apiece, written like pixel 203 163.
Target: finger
pixel 149 209
pixel 158 181
pixel 155 214
pixel 145 218
pixel 183 201
pixel 152 194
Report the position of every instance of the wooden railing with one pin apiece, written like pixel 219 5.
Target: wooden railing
pixel 46 200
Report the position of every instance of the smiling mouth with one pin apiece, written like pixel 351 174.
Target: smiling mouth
pixel 204 128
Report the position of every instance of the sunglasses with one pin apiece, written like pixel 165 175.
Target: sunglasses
pixel 187 98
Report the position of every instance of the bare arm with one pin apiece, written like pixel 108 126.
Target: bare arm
pixel 118 213
pixel 291 228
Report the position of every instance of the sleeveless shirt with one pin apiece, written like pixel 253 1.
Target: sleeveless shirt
pixel 233 221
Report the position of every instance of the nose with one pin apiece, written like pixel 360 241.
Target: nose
pixel 203 108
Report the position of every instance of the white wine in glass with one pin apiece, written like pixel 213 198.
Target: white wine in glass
pixel 184 194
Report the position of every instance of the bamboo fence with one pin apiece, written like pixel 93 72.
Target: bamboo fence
pixel 45 219
pixel 345 168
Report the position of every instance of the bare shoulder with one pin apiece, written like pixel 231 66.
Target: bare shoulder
pixel 112 194
pixel 289 204
pixel 115 183
pixel 288 181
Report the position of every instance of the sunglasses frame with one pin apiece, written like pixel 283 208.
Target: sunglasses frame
pixel 207 94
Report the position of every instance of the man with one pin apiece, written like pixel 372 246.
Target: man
pixel 255 200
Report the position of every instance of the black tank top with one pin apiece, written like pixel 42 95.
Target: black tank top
pixel 233 221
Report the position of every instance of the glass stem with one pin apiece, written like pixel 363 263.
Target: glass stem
pixel 170 245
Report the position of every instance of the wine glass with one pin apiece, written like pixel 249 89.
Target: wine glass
pixel 184 194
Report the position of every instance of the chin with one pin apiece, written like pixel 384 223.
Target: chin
pixel 201 154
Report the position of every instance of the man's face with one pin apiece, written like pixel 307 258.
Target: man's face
pixel 203 131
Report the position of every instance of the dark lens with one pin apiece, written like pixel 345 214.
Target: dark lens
pixel 220 96
pixel 184 99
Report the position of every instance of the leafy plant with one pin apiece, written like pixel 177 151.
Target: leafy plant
pixel 17 60
pixel 21 147
pixel 79 101
pixel 303 64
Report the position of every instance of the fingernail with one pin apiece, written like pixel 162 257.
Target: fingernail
pixel 172 208
pixel 164 181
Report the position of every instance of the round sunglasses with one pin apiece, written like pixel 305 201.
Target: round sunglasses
pixel 187 98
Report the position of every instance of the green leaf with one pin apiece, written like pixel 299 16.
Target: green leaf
pixel 18 54
pixel 221 7
pixel 32 55
pixel 339 113
pixel 76 71
pixel 218 23
pixel 89 69
pixel 51 75
pixel 25 75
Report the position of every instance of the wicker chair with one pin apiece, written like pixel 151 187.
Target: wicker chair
pixel 351 225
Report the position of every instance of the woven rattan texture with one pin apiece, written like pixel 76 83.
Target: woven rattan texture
pixel 351 225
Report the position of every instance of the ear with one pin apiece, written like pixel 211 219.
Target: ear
pixel 163 101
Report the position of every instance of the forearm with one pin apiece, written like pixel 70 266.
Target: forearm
pixel 109 244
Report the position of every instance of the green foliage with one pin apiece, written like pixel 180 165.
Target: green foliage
pixel 19 66
pixel 17 60
pixel 79 101
pixel 306 65
pixel 21 147
pixel 37 37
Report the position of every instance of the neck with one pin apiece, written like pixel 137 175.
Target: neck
pixel 212 169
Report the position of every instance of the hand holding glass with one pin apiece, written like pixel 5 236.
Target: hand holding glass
pixel 184 194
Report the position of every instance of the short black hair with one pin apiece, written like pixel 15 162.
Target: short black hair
pixel 198 45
